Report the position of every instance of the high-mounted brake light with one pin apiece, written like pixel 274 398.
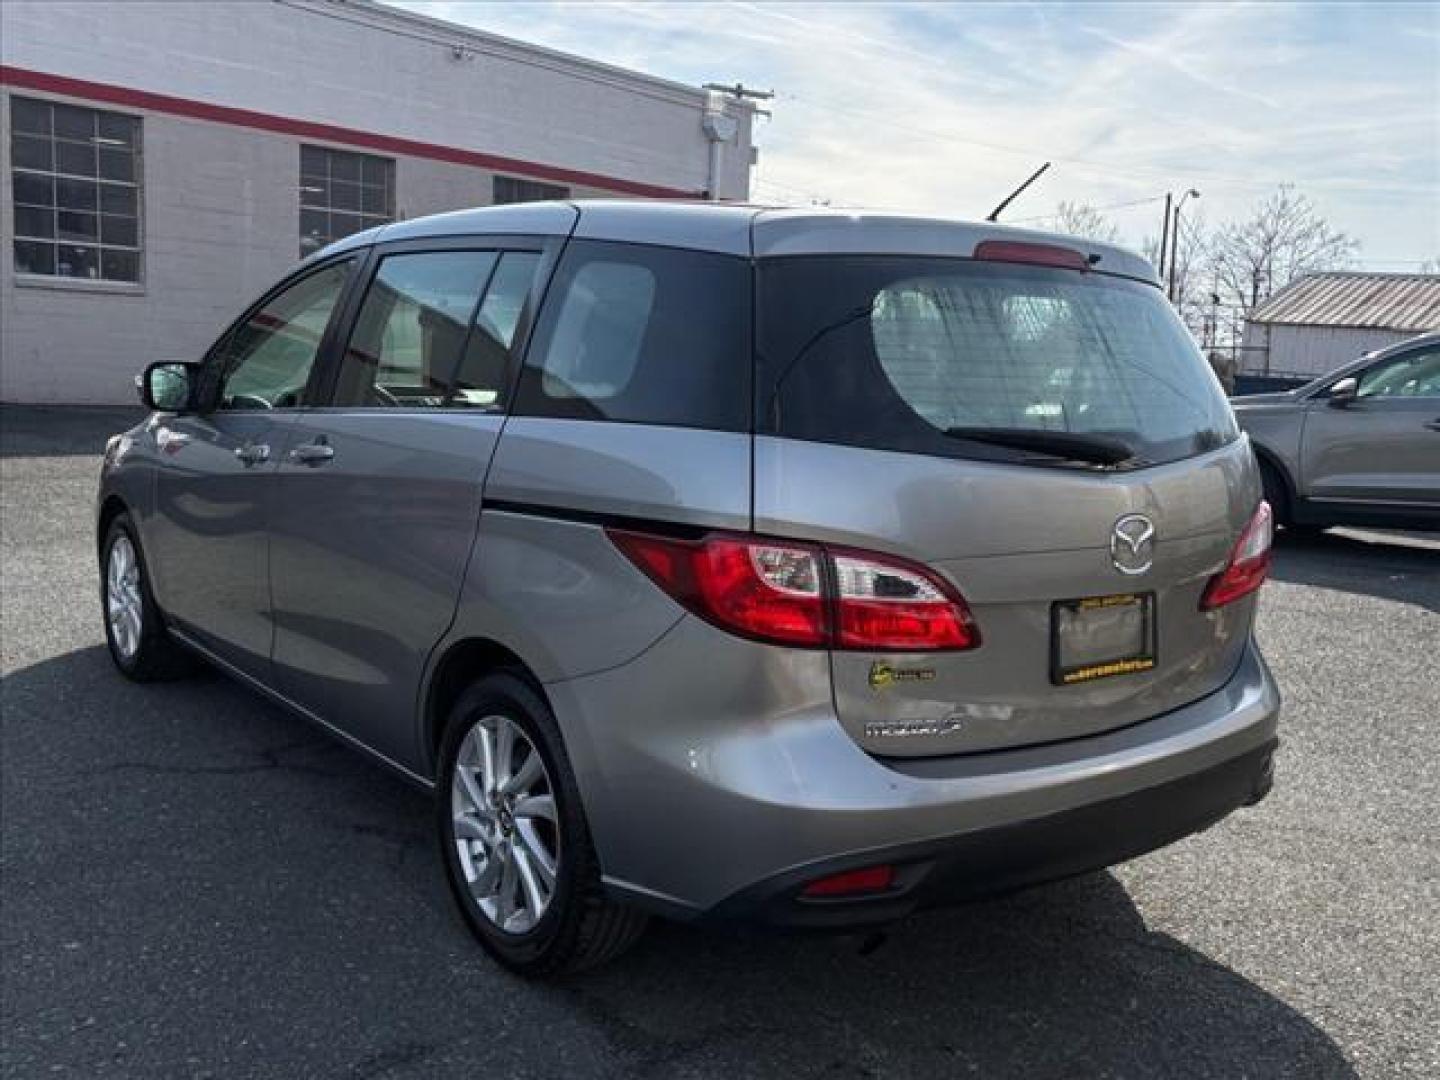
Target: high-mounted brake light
pixel 1012 251
pixel 802 594
pixel 1248 564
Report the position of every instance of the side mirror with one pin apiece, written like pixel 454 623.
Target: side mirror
pixel 167 387
pixel 1344 392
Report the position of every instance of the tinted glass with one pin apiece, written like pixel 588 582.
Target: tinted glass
pixel 485 373
pixel 412 327
pixel 513 189
pixel 69 164
pixel 266 361
pixel 1414 375
pixel 897 353
pixel 643 334
pixel 341 193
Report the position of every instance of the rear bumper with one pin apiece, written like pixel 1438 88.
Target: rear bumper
pixel 717 789
pixel 987 862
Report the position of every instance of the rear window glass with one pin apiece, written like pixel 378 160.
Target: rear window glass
pixel 644 335
pixel 898 353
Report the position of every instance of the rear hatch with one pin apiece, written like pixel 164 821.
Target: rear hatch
pixel 1049 441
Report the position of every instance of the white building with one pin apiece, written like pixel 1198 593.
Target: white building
pixel 165 162
pixel 1321 321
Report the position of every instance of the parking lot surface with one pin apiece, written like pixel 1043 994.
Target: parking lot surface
pixel 194 883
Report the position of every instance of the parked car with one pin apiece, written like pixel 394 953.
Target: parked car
pixel 1360 446
pixel 801 568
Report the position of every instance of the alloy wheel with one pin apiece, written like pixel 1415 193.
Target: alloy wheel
pixel 124 605
pixel 504 824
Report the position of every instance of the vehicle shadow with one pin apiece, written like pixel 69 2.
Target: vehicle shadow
pixel 61 430
pixel 242 848
pixel 1403 567
pixel 1059 981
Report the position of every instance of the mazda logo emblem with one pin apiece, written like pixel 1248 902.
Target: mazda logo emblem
pixel 1132 544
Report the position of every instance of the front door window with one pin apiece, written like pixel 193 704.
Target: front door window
pixel 266 362
pixel 1413 375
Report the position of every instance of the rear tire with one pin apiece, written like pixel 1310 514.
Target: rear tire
pixel 135 630
pixel 518 855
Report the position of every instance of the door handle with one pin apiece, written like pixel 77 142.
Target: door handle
pixel 315 453
pixel 253 454
pixel 1434 425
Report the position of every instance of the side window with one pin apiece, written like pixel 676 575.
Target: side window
pixel 485 370
pixel 266 361
pixel 1414 375
pixel 643 334
pixel 412 327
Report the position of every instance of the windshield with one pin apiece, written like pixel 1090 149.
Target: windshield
pixel 906 354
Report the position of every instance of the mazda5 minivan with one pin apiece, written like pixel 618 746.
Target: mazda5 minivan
pixel 716 562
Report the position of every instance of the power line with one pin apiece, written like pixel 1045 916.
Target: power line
pixel 1168 172
pixel 1097 209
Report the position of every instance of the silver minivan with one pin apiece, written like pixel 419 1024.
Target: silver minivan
pixel 716 562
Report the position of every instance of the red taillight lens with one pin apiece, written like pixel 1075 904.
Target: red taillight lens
pixel 760 589
pixel 885 604
pixel 1248 564
pixel 801 594
pixel 852 882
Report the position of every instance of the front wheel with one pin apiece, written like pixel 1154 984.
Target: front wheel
pixel 514 839
pixel 134 628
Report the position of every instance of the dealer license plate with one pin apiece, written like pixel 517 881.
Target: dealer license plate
pixel 1101 636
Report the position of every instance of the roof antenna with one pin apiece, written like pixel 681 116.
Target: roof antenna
pixel 995 214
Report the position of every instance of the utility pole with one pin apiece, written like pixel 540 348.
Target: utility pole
pixel 720 127
pixel 1175 240
pixel 740 90
pixel 1164 237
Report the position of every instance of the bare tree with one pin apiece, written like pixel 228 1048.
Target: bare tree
pixel 1283 238
pixel 1081 219
pixel 1431 266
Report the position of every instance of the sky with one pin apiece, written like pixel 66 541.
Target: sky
pixel 947 107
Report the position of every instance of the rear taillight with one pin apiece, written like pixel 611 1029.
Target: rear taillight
pixel 803 594
pixel 881 603
pixel 765 590
pixel 1248 564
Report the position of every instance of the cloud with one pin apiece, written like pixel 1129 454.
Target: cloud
pixel 946 107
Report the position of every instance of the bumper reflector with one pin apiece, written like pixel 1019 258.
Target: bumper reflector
pixel 852 883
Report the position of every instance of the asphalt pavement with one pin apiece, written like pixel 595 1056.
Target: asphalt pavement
pixel 194 883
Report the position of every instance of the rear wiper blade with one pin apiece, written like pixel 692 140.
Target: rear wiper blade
pixel 1070 445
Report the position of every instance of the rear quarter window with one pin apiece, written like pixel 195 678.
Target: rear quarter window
pixel 641 334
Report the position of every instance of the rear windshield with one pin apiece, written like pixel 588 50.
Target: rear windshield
pixel 895 352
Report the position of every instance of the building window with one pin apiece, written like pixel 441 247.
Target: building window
pixel 342 193
pixel 512 189
pixel 75 176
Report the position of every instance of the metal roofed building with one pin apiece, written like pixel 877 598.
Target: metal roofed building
pixel 163 163
pixel 1321 321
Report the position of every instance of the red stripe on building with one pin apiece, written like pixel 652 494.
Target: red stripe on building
pixel 127 97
